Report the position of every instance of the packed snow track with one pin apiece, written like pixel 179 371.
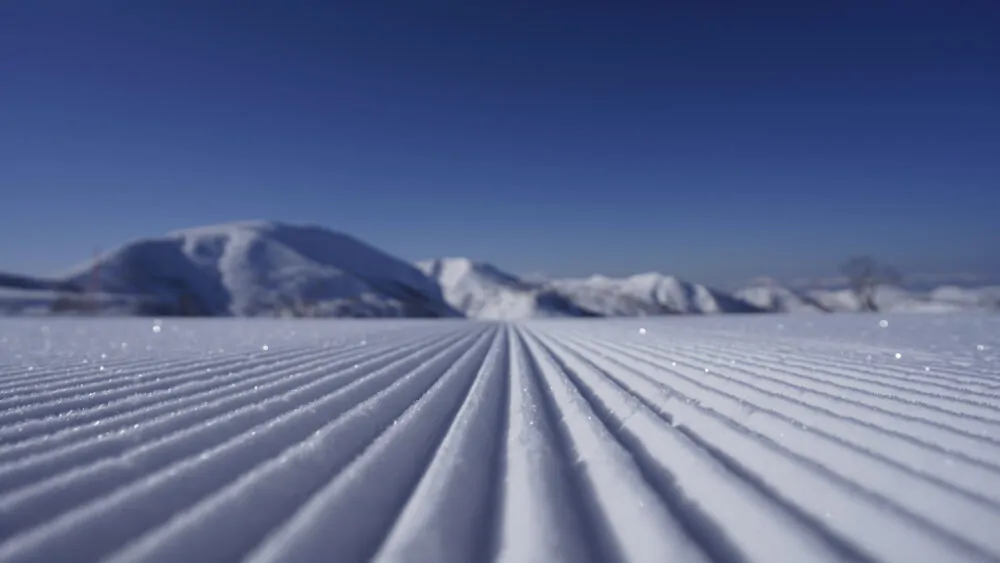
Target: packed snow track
pixel 729 439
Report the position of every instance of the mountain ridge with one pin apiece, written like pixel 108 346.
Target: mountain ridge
pixel 272 268
pixel 483 291
pixel 265 268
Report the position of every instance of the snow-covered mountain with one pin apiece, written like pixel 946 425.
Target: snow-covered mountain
pixel 779 299
pixel 889 299
pixel 648 294
pixel 482 291
pixel 980 297
pixel 10 281
pixel 776 298
pixel 266 268
pixel 261 268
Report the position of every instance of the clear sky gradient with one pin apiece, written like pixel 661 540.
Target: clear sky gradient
pixel 713 140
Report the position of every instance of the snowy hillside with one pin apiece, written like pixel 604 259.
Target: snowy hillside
pixel 779 299
pixel 266 268
pixel 981 297
pixel 774 297
pixel 648 294
pixel 482 291
pixel 18 282
pixel 898 300
pixel 14 301
pixel 485 292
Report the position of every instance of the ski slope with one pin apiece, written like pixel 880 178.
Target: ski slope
pixel 726 439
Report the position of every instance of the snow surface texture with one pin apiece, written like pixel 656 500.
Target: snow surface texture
pixel 264 268
pixel 726 439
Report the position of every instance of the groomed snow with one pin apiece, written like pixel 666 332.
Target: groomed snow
pixel 726 439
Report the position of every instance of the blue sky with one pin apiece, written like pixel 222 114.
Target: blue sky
pixel 714 140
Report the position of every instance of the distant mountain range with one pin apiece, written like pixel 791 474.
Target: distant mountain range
pixel 483 291
pixel 252 269
pixel 261 268
pixel 943 299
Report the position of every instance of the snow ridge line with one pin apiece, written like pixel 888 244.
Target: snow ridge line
pixel 91 377
pixel 101 386
pixel 458 488
pixel 180 464
pixel 396 461
pixel 954 382
pixel 25 374
pixel 953 441
pixel 33 378
pixel 855 385
pixel 236 370
pixel 46 376
pixel 795 441
pixel 817 420
pixel 541 517
pixel 348 439
pixel 203 383
pixel 673 465
pixel 116 434
pixel 562 441
pixel 43 371
pixel 624 510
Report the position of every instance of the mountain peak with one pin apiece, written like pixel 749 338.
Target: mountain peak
pixel 259 226
pixel 260 267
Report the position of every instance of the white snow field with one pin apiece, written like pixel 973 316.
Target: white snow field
pixel 764 438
